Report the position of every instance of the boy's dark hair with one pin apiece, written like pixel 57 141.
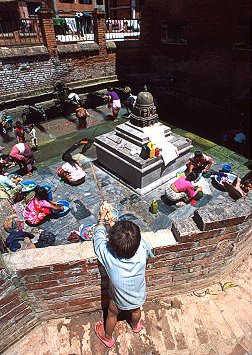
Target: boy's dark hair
pixel 18 124
pixel 124 239
pixel 198 154
pixel 192 176
pixel 110 88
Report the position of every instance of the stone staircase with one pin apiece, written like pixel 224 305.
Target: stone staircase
pixel 188 325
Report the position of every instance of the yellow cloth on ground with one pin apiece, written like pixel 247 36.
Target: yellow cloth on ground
pixel 156 135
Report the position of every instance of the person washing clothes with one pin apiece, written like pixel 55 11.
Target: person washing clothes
pixel 198 162
pixel 72 170
pixel 39 206
pixel 123 254
pixel 114 102
pixel 183 188
pixel 10 188
pixel 21 153
pixel 82 114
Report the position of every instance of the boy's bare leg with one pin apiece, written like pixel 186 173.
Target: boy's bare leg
pixel 135 317
pixel 111 320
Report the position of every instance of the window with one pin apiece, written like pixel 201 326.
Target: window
pixel 245 35
pixel 172 33
pixel 87 2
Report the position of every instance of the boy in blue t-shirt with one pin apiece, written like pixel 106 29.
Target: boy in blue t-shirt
pixel 123 255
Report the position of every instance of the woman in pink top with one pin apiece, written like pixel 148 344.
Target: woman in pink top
pixel 183 188
pixel 39 207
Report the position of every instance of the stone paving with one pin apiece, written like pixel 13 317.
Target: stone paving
pixel 50 130
pixel 86 198
pixel 186 325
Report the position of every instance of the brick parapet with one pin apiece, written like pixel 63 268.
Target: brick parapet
pixel 100 31
pixel 65 280
pixel 47 29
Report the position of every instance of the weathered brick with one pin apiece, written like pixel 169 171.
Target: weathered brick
pixel 52 276
pixel 194 251
pixel 172 248
pixel 8 298
pixel 81 301
pixel 14 312
pixel 10 305
pixel 35 271
pixel 231 236
pixel 69 266
pixel 41 285
pixel 58 305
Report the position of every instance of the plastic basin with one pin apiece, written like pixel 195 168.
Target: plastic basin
pixel 226 168
pixel 87 231
pixel 230 178
pixel 29 185
pixel 114 213
pixel 66 205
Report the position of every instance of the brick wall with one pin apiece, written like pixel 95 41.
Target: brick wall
pixel 39 67
pixel 38 73
pixel 64 280
pixel 16 315
pixel 206 75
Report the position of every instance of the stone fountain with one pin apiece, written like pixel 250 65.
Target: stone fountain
pixel 118 152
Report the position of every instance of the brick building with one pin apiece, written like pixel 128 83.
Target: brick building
pixel 199 58
pixel 128 9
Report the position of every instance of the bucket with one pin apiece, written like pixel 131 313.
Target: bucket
pixel 49 191
pixel 226 168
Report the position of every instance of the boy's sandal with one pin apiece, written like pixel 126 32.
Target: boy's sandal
pixel 138 328
pixel 108 343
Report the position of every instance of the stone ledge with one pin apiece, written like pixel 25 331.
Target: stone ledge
pixel 63 254
pixel 78 47
pixel 13 52
pixel 111 45
pixel 221 215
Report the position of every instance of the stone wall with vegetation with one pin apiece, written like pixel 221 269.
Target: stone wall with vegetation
pixel 40 284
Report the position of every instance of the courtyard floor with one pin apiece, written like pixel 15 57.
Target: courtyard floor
pixel 86 198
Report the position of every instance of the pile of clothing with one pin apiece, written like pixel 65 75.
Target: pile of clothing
pixel 17 235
